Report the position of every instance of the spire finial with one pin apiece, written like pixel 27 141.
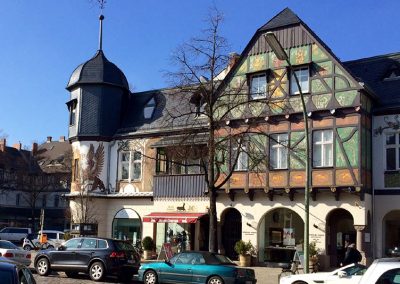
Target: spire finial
pixel 101 18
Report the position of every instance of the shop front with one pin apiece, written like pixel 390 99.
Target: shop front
pixel 184 231
pixel 280 234
pixel 127 226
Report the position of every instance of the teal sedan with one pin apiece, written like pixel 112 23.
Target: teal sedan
pixel 196 267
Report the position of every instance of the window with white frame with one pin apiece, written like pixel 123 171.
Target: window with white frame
pixel 303 75
pixel 258 86
pixel 323 148
pixel 72 111
pixel 392 148
pixel 279 151
pixel 131 165
pixel 242 158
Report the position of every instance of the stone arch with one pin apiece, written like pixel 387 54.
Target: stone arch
pixel 390 232
pixel 280 229
pixel 127 224
pixel 339 228
pixel 231 221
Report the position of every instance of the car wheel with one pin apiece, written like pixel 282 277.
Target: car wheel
pixel 27 247
pixel 215 280
pixel 71 274
pixel 43 267
pixel 150 277
pixel 96 271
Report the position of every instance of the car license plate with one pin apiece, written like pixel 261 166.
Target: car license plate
pixel 131 261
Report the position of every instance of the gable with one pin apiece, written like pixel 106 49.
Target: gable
pixel 331 85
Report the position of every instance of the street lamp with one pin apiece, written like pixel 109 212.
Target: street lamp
pixel 282 55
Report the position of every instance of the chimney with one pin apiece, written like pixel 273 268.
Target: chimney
pixel 48 139
pixel 62 138
pixel 233 59
pixel 3 144
pixel 18 146
pixel 34 148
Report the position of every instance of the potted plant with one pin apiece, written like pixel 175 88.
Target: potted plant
pixel 148 246
pixel 243 249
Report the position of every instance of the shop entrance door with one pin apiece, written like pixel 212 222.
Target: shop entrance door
pixel 231 231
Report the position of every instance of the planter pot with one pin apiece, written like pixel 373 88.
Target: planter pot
pixel 147 254
pixel 244 260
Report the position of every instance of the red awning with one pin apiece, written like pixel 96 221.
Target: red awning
pixel 169 217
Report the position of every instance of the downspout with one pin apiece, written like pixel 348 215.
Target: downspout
pixel 110 145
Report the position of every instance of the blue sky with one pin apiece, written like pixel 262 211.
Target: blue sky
pixel 43 41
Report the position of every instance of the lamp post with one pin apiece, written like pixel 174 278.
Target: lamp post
pixel 282 55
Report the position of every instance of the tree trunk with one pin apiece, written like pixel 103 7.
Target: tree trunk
pixel 213 235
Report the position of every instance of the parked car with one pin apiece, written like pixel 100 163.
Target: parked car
pixel 15 273
pixel 14 234
pixel 96 256
pixel 351 273
pixel 54 240
pixel 12 252
pixel 196 267
pixel 382 271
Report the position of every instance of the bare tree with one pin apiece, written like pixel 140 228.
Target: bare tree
pixel 219 109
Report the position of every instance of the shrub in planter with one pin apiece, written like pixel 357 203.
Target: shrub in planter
pixel 148 246
pixel 244 249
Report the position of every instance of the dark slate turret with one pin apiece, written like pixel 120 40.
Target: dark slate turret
pixel 98 89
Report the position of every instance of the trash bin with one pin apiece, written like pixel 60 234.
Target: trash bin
pixel 43 238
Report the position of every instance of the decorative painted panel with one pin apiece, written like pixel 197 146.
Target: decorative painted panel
pixel 326 122
pixel 274 62
pixel 278 179
pixel 277 106
pixel 298 149
pixel 238 84
pixel 341 83
pixel 323 68
pixel 346 98
pixel 238 180
pixel 295 103
pixel 257 62
pixel 317 86
pixel 349 136
pixel 322 178
pixel 297 178
pixel 340 72
pixel 257 179
pixel 256 108
pixel 299 55
pixel 240 106
pixel 283 126
pixel 318 54
pixel 278 84
pixel 243 69
pixel 343 177
pixel 321 101
pixel 347 120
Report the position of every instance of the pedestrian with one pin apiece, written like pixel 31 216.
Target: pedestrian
pixel 352 255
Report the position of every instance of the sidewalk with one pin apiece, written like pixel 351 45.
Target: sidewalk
pixel 266 275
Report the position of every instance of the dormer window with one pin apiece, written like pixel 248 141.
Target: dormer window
pixel 392 74
pixel 72 105
pixel 258 86
pixel 149 109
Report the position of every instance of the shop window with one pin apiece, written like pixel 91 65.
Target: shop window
pixel 131 165
pixel 392 153
pixel 303 75
pixel 279 151
pixel 323 148
pixel 258 86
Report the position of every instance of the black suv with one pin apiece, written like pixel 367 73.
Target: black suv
pixel 96 256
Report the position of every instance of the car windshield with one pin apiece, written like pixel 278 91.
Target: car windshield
pixel 7 245
pixel 357 269
pixel 121 245
pixel 218 259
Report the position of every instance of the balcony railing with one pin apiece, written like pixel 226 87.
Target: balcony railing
pixel 179 185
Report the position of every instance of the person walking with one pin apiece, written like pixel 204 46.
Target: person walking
pixel 352 255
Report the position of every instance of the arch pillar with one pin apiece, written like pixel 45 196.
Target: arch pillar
pixel 359 241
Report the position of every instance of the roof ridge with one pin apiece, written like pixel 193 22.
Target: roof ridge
pixel 371 58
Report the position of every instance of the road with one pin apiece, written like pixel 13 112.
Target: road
pixel 61 278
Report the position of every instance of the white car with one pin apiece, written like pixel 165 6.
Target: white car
pixel 351 273
pixel 14 253
pixel 382 271
pixel 54 240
